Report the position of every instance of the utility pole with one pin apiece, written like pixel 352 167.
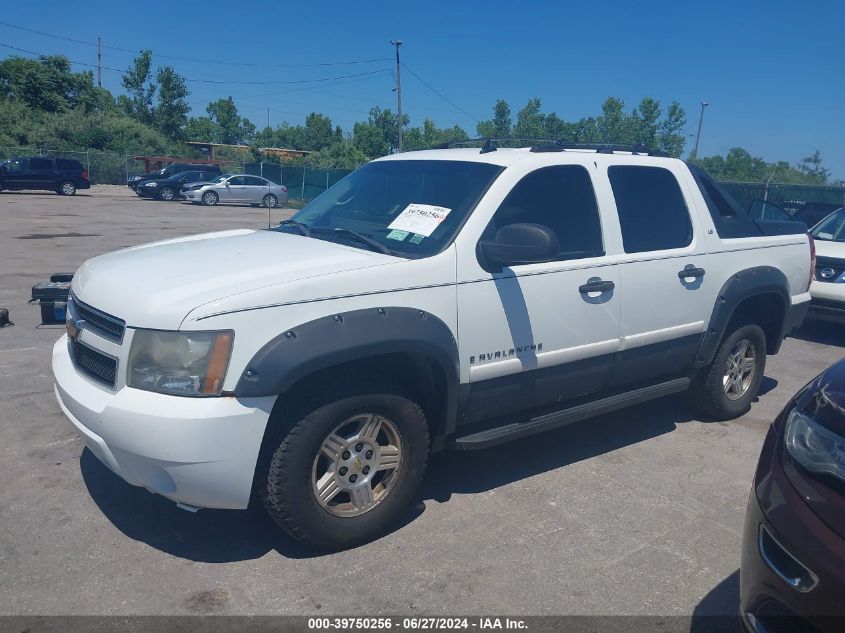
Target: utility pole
pixel 704 104
pixel 397 44
pixel 99 63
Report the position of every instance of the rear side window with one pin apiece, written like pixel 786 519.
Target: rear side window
pixel 561 198
pixel 66 164
pixel 41 163
pixel 255 180
pixel 652 211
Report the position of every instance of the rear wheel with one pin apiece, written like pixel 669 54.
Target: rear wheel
pixel 346 471
pixel 724 390
pixel 209 198
pixel 67 188
pixel 269 201
pixel 166 193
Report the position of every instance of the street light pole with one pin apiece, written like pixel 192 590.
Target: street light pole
pixel 704 104
pixel 397 44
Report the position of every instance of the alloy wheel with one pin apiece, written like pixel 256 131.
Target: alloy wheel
pixel 740 368
pixel 357 465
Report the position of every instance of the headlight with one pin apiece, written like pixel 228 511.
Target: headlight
pixel 815 447
pixel 179 363
pixel 152 183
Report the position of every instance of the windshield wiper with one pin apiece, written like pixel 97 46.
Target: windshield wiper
pixel 303 228
pixel 363 239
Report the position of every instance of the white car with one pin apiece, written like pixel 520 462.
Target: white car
pixel 449 298
pixel 236 189
pixel 828 288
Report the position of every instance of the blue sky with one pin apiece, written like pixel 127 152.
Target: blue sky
pixel 772 71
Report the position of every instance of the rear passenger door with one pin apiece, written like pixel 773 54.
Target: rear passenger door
pixel 256 189
pixel 535 334
pixel 41 174
pixel 666 300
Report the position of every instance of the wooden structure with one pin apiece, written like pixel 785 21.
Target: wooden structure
pixel 154 163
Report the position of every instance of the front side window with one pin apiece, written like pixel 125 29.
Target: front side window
pixel 652 211
pixel 832 228
pixel 561 198
pixel 237 181
pixel 409 208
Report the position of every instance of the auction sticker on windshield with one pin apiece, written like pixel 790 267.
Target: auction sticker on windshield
pixel 421 219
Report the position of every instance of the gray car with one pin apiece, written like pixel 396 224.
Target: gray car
pixel 236 189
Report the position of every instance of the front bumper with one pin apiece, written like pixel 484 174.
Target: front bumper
pixel 828 302
pixel 768 601
pixel 197 451
pixel 147 192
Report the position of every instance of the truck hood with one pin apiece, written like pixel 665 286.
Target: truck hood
pixel 156 285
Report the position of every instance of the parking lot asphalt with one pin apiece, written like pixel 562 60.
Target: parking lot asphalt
pixel 638 512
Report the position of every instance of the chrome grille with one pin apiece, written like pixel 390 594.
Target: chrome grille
pixel 98 366
pixel 104 324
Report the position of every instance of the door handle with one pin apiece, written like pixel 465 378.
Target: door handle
pixel 691 271
pixel 597 285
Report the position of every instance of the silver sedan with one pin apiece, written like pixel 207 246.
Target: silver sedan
pixel 236 189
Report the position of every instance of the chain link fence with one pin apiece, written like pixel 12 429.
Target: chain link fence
pixel 306 183
pixel 785 195
pixel 111 168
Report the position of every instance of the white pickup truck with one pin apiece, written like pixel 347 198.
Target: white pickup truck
pixel 448 298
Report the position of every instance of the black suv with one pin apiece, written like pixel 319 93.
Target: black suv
pixel 170 188
pixel 62 175
pixel 171 170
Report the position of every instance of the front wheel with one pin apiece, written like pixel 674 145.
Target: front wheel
pixel 67 188
pixel 347 470
pixel 725 389
pixel 210 199
pixel 270 201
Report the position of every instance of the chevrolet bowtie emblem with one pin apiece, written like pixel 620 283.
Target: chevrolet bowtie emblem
pixel 74 327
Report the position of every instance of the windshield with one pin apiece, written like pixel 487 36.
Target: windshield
pixel 832 228
pixel 221 178
pixel 412 208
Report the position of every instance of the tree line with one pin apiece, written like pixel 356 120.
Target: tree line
pixel 44 103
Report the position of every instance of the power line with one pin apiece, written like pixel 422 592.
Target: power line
pixel 219 81
pixel 439 94
pixel 197 60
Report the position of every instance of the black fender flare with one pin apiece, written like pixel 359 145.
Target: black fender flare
pixel 739 287
pixel 348 336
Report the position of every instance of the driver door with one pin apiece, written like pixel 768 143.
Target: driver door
pixel 536 334
pixel 233 190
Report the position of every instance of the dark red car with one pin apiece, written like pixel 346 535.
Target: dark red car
pixel 793 555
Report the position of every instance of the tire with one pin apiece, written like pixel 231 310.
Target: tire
pixel 167 194
pixel 66 188
pixel 714 393
pixel 296 466
pixel 269 201
pixel 210 199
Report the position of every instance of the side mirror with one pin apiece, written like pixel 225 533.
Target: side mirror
pixel 518 244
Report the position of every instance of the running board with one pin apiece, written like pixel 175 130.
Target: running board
pixel 557 419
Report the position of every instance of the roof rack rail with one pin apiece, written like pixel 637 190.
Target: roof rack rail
pixel 491 144
pixel 599 148
pixel 554 145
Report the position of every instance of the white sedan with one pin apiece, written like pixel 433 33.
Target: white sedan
pixel 828 288
pixel 236 189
